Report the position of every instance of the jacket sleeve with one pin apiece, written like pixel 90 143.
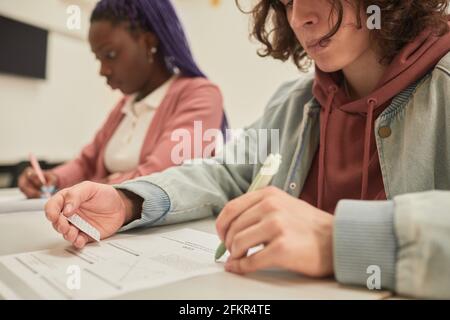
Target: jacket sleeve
pixel 406 240
pixel 85 165
pixel 202 104
pixel 195 190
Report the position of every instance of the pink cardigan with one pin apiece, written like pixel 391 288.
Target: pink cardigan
pixel 187 100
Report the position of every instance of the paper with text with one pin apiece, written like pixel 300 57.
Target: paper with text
pixel 112 267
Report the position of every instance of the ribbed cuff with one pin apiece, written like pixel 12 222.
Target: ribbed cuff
pixel 365 243
pixel 155 206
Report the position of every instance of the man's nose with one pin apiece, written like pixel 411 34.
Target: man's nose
pixel 304 15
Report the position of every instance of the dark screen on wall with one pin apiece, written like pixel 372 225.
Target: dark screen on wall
pixel 23 49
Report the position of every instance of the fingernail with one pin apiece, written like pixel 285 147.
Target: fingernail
pixel 68 208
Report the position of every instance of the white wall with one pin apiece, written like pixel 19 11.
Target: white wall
pixel 56 117
pixel 221 45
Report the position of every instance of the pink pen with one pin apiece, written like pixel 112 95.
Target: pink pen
pixel 37 169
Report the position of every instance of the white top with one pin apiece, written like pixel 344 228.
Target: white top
pixel 124 148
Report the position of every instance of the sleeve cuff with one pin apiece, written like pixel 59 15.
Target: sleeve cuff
pixel 155 206
pixel 364 241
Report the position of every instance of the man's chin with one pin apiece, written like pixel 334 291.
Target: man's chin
pixel 328 67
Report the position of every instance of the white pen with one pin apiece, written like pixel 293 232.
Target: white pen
pixel 262 180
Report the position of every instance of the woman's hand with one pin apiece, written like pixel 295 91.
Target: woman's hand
pixel 30 184
pixel 296 235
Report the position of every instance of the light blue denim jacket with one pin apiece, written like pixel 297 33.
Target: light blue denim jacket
pixel 406 238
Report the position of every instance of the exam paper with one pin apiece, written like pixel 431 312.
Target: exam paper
pixel 110 268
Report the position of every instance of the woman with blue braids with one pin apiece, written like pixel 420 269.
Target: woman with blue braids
pixel 143 52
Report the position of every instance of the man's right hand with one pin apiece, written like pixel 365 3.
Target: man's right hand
pixel 104 207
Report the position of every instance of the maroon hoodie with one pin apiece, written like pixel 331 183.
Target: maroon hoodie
pixel 346 165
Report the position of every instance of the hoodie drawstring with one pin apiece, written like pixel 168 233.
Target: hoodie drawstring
pixel 371 103
pixel 321 179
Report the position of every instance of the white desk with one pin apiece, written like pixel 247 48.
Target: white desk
pixel 20 232
pixel 11 194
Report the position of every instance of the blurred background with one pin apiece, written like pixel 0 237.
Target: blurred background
pixel 52 99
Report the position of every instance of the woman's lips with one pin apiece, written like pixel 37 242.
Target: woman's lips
pixel 113 84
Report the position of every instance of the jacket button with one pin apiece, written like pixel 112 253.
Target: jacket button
pixel 292 185
pixel 384 132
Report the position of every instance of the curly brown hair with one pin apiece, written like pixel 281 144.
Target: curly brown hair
pixel 403 20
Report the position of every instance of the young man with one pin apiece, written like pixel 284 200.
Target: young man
pixel 372 124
